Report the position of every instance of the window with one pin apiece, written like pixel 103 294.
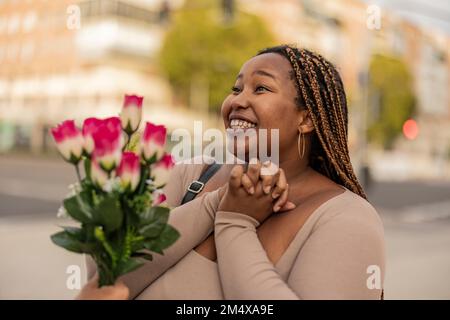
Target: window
pixel 29 21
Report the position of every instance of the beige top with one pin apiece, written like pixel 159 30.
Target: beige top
pixel 337 254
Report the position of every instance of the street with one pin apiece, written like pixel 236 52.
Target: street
pixel 416 217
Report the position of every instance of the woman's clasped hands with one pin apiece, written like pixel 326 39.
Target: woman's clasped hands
pixel 258 192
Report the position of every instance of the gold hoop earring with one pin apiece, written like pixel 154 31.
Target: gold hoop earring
pixel 301 141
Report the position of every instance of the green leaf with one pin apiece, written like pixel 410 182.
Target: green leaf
pixel 153 221
pixel 168 236
pixel 76 233
pixel 156 214
pixel 129 265
pixel 143 255
pixel 153 245
pixel 78 209
pixel 109 213
pixel 65 240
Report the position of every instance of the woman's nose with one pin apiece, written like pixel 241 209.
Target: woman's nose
pixel 240 101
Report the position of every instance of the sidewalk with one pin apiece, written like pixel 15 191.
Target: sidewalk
pixel 32 266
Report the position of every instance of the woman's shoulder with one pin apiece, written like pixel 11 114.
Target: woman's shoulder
pixel 186 171
pixel 190 169
pixel 349 210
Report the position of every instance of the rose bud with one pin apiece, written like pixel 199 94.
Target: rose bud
pixel 98 175
pixel 90 125
pixel 129 171
pixel 131 113
pixel 69 141
pixel 161 169
pixel 152 142
pixel 108 141
pixel 159 198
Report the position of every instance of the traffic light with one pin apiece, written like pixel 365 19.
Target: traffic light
pixel 410 129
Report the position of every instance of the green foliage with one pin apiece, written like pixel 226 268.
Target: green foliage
pixel 391 94
pixel 201 47
pixel 118 229
pixel 133 145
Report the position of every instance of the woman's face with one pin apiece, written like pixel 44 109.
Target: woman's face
pixel 263 97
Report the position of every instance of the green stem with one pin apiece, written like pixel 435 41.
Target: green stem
pixel 87 168
pixel 128 142
pixel 77 169
pixel 144 177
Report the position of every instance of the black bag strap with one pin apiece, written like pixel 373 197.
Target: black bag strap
pixel 197 186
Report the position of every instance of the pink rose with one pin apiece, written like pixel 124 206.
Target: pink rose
pixel 90 125
pixel 129 171
pixel 161 169
pixel 69 141
pixel 131 113
pixel 98 175
pixel 152 142
pixel 108 142
pixel 159 198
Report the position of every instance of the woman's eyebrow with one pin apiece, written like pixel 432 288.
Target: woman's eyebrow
pixel 264 73
pixel 261 73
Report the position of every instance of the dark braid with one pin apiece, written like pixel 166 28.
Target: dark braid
pixel 321 92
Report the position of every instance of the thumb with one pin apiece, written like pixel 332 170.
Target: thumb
pixel 288 206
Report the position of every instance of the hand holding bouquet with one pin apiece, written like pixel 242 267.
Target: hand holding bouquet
pixel 118 204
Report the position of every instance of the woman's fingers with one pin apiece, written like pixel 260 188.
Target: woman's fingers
pixel 253 170
pixel 247 184
pixel 91 291
pixel 121 291
pixel 236 176
pixel 288 206
pixel 269 176
pixel 281 201
pixel 280 184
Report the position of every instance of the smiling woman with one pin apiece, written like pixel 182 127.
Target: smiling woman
pixel 306 232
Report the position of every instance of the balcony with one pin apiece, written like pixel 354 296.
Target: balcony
pixel 118 28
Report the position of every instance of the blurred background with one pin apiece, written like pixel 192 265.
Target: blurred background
pixel 63 59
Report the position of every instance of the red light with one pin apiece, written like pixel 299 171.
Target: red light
pixel 410 129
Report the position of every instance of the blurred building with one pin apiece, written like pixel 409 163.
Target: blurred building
pixel 65 59
pixel 53 68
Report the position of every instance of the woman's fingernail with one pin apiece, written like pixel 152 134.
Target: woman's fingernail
pixel 276 208
pixel 267 189
pixel 275 195
pixel 251 190
pixel 290 206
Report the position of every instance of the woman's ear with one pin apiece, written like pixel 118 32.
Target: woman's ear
pixel 305 124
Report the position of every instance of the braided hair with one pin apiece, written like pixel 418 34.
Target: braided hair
pixel 321 92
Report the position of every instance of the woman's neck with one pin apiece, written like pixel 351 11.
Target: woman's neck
pixel 295 170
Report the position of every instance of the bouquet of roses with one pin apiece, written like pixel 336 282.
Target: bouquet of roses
pixel 118 202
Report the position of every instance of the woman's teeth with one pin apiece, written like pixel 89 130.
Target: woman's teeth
pixel 241 124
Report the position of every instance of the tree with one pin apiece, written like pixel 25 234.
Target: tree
pixel 391 99
pixel 203 53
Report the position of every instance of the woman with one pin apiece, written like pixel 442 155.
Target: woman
pixel 307 232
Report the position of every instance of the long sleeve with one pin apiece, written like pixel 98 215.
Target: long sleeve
pixel 194 220
pixel 333 263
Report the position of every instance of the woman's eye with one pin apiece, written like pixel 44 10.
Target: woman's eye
pixel 235 89
pixel 261 89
